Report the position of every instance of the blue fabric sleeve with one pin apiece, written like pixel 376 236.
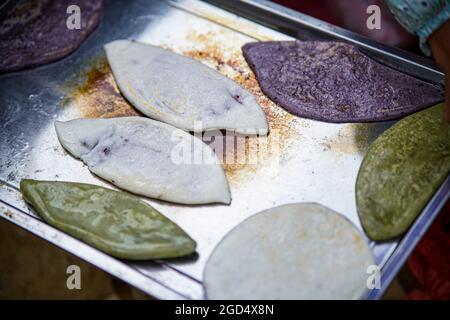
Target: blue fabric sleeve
pixel 421 17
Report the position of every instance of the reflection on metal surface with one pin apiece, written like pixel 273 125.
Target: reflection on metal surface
pixel 305 27
pixel 315 161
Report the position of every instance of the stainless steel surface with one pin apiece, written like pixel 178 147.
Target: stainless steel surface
pixel 304 27
pixel 315 162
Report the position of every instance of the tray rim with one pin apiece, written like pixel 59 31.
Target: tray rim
pixel 427 70
pixel 268 13
pixel 156 288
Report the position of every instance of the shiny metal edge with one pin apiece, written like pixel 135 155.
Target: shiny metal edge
pixel 273 15
pixel 153 287
pixel 412 238
pixel 123 271
pixel 114 267
pixel 157 270
pixel 294 23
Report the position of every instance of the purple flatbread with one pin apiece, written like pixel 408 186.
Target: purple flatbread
pixel 336 82
pixel 34 32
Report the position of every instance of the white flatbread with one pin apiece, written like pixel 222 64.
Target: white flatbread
pixel 147 157
pixel 181 91
pixel 294 251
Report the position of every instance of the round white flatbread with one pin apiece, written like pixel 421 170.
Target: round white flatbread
pixel 294 251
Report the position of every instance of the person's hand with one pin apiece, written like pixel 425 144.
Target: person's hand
pixel 439 42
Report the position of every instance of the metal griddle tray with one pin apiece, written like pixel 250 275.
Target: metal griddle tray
pixel 316 161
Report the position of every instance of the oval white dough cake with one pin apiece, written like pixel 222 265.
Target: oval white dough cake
pixel 181 91
pixel 147 157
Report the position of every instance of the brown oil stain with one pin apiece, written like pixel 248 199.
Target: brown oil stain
pixel 232 150
pixel 352 139
pixel 232 64
pixel 249 157
pixel 98 95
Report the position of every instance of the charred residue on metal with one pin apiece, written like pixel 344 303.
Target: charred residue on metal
pixel 95 94
pixel 230 62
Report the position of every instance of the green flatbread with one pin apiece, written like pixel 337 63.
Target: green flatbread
pixel 115 222
pixel 401 171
